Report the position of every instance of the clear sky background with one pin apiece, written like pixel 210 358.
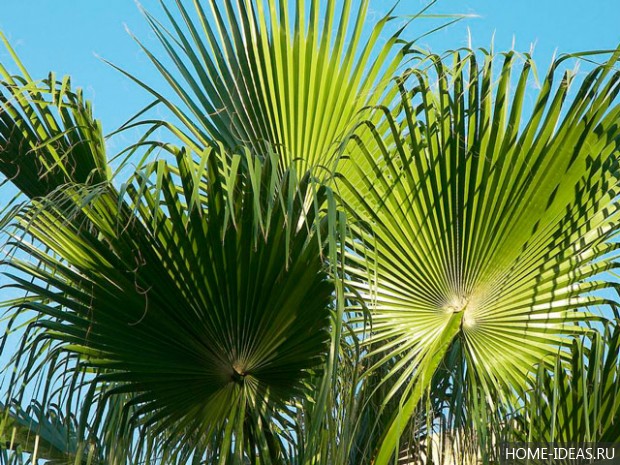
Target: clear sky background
pixel 65 35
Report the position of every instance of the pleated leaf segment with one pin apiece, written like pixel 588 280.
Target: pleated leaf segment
pixel 481 233
pixel 198 295
pixel 287 76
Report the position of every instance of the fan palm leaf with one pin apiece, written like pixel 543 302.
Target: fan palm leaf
pixel 48 435
pixel 200 291
pixel 480 228
pixel 48 136
pixel 576 402
pixel 287 76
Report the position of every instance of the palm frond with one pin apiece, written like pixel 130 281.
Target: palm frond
pixel 271 74
pixel 48 136
pixel 578 401
pixel 48 435
pixel 466 208
pixel 200 293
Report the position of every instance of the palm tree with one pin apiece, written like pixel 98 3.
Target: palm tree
pixel 346 247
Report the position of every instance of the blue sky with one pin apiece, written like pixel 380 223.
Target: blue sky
pixel 65 35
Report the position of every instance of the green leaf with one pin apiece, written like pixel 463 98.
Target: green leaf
pixel 252 73
pixel 48 136
pixel 463 203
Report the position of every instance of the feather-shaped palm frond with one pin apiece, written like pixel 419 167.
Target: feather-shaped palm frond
pixel 482 231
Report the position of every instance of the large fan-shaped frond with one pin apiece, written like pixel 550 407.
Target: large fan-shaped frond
pixel 200 294
pixel 288 76
pixel 469 211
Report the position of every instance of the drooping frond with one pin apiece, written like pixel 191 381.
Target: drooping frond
pixel 47 435
pixel 48 136
pixel 468 210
